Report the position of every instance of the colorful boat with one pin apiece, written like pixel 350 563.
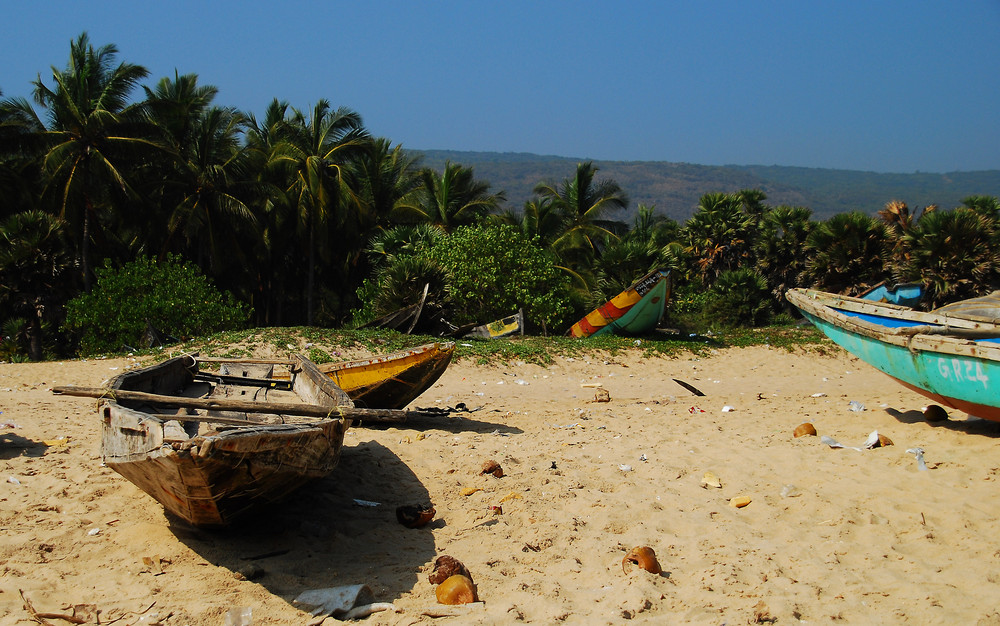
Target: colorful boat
pixel 391 381
pixel 210 447
pixel 634 311
pixel 504 327
pixel 906 294
pixel 953 359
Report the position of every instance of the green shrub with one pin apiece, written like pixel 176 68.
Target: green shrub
pixel 739 298
pixel 169 296
pixel 495 270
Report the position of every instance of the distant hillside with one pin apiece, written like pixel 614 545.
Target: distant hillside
pixel 675 188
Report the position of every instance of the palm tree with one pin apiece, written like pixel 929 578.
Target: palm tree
pixel 450 199
pixel 315 151
pixel 953 253
pixel 848 253
pixel 781 248
pixel 95 136
pixel 720 235
pixel 987 206
pixel 382 175
pixel 582 203
pixel 33 259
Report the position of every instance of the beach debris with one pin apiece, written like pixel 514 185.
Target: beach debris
pixel 492 467
pixel 345 602
pixel 457 589
pixel 445 567
pixel 739 501
pixel 696 409
pixel 761 614
pixel 689 387
pixel 644 557
pixel 728 409
pixel 919 454
pixel 855 406
pixel 366 503
pixel 415 515
pixel 833 443
pixel 819 395
pixel 513 495
pixel 790 491
pixel 154 564
pixel 878 440
pixel 453 610
pixel 934 413
pixel 468 491
pixel 240 616
pixel 13 480
pixel 496 509
pixel 602 395
pixel 625 468
pixel 804 429
pixel 82 613
pixel 711 480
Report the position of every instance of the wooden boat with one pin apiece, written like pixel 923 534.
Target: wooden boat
pixel 209 446
pixel 391 381
pixel 906 294
pixel 504 327
pixel 953 359
pixel 634 311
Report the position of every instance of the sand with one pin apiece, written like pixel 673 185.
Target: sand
pixel 829 534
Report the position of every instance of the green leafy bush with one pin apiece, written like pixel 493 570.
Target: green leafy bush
pixel 169 296
pixel 495 270
pixel 739 298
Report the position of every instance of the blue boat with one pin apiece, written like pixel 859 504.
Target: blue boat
pixel 953 359
pixel 905 294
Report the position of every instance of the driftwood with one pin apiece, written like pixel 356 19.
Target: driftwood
pixel 244 406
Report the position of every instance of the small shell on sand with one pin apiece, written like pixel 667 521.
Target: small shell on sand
pixel 884 441
pixel 804 429
pixel 468 491
pixel 739 501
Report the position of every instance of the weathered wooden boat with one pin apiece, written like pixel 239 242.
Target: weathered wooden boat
pixel 504 327
pixel 210 446
pixel 953 359
pixel 394 380
pixel 634 311
pixel 905 294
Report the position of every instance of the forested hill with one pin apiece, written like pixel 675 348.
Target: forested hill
pixel 674 188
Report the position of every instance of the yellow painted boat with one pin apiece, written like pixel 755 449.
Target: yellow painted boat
pixel 391 381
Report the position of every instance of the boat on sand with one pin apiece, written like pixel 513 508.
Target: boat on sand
pixel 634 311
pixel 946 355
pixel 211 446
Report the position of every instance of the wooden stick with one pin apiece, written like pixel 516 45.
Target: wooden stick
pixel 217 359
pixel 243 406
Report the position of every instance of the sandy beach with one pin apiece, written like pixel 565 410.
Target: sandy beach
pixel 830 534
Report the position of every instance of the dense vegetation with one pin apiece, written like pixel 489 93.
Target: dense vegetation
pixel 201 218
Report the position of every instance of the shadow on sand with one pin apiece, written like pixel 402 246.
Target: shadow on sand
pixel 330 532
pixel 971 425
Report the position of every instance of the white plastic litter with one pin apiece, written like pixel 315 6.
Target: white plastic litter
pixel 919 454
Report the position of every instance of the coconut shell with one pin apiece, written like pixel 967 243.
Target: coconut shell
pixel 457 589
pixel 644 557
pixel 492 467
pixel 934 413
pixel 804 429
pixel 445 567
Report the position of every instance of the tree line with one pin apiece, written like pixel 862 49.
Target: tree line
pixel 305 217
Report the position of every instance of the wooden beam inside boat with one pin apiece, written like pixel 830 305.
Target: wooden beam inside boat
pixel 244 406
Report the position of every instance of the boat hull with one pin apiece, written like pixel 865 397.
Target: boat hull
pixel 634 311
pixel 211 473
pixel 394 380
pixel 937 356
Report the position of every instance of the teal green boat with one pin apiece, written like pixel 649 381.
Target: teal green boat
pixel 950 357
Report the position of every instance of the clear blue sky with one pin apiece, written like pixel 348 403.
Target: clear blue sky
pixel 891 86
